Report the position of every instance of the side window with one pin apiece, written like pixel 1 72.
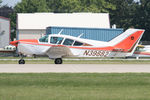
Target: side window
pixel 68 42
pixel 56 40
pixel 140 49
pixel 44 39
pixel 77 43
pixel 53 40
pixel 60 39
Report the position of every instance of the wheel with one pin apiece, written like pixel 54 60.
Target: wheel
pixel 58 61
pixel 21 61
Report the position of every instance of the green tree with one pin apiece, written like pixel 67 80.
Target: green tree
pixel 64 6
pixel 30 6
pixel 142 18
pixel 131 14
pixel 67 6
pixel 97 6
pixel 123 15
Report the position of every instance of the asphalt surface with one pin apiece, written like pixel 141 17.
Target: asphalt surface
pixel 75 68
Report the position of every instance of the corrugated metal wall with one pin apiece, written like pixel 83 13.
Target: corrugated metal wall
pixel 89 33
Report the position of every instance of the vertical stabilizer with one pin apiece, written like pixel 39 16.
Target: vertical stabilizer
pixel 128 40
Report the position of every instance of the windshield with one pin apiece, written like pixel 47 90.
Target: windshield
pixel 56 40
pixel 44 39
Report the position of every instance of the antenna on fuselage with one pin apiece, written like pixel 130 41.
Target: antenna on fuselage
pixel 60 31
pixel 80 35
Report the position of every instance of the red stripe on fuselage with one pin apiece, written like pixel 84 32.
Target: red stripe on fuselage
pixel 142 53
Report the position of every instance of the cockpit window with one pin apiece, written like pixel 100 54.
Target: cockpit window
pixel 140 49
pixel 68 42
pixel 77 43
pixel 56 40
pixel 44 39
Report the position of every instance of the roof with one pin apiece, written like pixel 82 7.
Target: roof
pixel 43 20
pixel 1 17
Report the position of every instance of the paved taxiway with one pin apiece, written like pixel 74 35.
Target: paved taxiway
pixel 75 68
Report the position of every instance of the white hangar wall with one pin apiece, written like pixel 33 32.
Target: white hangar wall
pixel 30 34
pixel 4 32
pixel 33 25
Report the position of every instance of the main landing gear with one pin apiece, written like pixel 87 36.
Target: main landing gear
pixel 58 61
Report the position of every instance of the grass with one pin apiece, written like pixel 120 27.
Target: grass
pixel 82 86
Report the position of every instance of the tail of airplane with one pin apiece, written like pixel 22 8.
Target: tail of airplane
pixel 128 40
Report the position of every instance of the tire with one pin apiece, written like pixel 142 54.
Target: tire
pixel 21 61
pixel 58 61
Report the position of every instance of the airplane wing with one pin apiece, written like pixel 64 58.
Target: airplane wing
pixel 58 51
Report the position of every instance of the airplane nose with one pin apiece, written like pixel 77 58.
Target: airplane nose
pixel 15 43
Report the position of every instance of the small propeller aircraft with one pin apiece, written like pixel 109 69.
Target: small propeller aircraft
pixel 58 46
pixel 142 51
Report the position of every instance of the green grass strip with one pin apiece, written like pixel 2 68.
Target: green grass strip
pixel 67 86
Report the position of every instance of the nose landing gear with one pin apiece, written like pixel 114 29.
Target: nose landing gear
pixel 21 61
pixel 58 61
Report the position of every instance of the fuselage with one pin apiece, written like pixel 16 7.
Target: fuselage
pixel 78 47
pixel 68 46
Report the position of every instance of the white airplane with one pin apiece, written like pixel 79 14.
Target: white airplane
pixel 58 46
pixel 142 51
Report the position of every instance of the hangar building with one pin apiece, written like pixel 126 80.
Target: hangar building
pixel 4 32
pixel 33 25
pixel 100 34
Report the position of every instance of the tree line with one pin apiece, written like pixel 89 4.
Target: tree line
pixel 124 13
